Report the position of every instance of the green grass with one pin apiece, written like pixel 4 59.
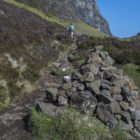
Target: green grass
pixel 133 71
pixel 71 125
pixel 81 28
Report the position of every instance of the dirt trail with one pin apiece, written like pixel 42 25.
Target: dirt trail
pixel 13 119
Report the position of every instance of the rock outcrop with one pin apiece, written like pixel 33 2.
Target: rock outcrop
pixel 83 10
pixel 98 89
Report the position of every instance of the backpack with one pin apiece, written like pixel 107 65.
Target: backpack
pixel 71 28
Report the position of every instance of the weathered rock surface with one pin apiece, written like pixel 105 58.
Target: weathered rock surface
pixel 83 10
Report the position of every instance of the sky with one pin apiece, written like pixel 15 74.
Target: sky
pixel 123 16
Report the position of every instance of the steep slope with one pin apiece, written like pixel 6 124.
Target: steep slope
pixel 73 10
pixel 81 27
pixel 26 46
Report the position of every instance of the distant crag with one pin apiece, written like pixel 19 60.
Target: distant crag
pixel 73 10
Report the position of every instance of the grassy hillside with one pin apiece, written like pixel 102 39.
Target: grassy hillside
pixel 26 46
pixel 81 28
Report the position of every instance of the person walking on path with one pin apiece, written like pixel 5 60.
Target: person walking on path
pixel 71 30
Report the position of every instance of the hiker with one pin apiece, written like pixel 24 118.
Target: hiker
pixel 71 30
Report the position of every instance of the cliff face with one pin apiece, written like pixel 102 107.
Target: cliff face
pixel 84 10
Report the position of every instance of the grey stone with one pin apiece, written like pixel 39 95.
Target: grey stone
pixel 80 87
pixel 124 105
pixel 105 92
pixel 62 100
pixel 105 115
pixel 129 136
pixel 117 98
pixel 70 93
pixel 135 134
pixel 125 116
pixel 90 68
pixel 75 84
pixel 86 94
pixel 105 86
pixel 95 59
pixel 108 61
pixel 132 106
pixel 125 126
pixel 52 94
pixel 126 93
pixel 108 69
pixel 62 93
pixel 79 97
pixel 89 106
pixel 94 87
pixel 76 75
pixel 67 86
pixel 116 73
pixel 133 115
pixel 137 125
pixel 103 54
pixel 107 82
pixel 99 76
pixel 88 77
pixel 138 115
pixel 107 75
pixel 49 109
pixel 114 107
pixel 117 88
pixel 134 94
pixel 73 89
pixel 105 99
pixel 98 48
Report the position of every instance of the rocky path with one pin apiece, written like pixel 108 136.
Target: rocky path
pixel 13 119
